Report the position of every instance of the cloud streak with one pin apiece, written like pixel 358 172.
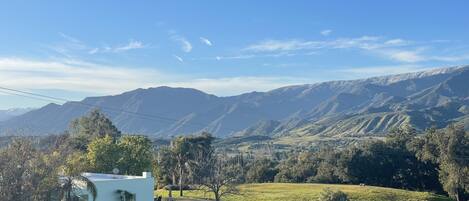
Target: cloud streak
pixel 71 75
pixel 186 46
pixel 71 46
pixel 205 41
pixel 326 32
pixel 396 49
pixel 131 45
pixel 83 77
pixel 178 58
pixel 364 42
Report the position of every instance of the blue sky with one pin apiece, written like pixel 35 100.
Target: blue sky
pixel 74 49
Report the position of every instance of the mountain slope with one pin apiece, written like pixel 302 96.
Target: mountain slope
pixel 10 113
pixel 338 108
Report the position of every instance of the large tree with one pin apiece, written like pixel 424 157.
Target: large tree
pixel 130 155
pixel 189 153
pixel 94 124
pixel 165 167
pixel 261 171
pixel 27 174
pixel 103 155
pixel 135 154
pixel 219 176
pixel 390 163
pixel 450 150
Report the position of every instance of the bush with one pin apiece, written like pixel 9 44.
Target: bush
pixel 332 195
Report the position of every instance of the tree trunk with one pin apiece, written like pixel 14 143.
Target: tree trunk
pixel 180 180
pixel 216 191
pixel 173 181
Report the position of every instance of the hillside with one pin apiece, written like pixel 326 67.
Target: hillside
pixel 10 113
pixel 338 108
pixel 310 192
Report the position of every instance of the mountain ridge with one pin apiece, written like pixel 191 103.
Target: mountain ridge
pixel 13 112
pixel 369 106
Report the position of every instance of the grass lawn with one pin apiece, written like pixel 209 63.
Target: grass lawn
pixel 309 192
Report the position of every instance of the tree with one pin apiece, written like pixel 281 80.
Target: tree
pixel 94 124
pixel 135 154
pixel 450 150
pixel 44 174
pixel 103 155
pixel 27 174
pixel 71 178
pixel 297 168
pixel 261 171
pixel 190 152
pixel 219 177
pixel 165 167
pixel 181 150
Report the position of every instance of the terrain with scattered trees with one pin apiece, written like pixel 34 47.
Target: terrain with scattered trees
pixel 435 162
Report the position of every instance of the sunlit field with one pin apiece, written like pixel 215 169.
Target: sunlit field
pixel 307 192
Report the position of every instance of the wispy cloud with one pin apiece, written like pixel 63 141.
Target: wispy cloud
pixel 409 56
pixel 250 56
pixel 396 49
pixel 186 46
pixel 205 41
pixel 72 75
pixel 71 39
pixel 67 46
pixel 178 58
pixel 396 41
pixel 72 45
pixel 326 32
pixel 80 76
pixel 131 45
pixel 457 58
pixel 364 42
pixel 93 51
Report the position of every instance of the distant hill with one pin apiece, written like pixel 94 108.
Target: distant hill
pixel 10 113
pixel 338 108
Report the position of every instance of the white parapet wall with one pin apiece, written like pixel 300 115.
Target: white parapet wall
pixel 112 187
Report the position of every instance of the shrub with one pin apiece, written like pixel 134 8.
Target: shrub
pixel 332 195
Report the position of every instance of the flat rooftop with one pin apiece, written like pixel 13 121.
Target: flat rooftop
pixel 104 177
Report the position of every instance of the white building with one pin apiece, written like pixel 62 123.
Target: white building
pixel 112 187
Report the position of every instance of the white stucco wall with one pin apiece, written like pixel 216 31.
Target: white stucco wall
pixel 142 187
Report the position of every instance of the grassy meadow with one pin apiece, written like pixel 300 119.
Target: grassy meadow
pixel 310 192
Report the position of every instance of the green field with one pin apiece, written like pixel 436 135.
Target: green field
pixel 307 192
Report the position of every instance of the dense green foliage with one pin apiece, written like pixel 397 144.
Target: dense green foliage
pixel 94 125
pixel 261 171
pixel 131 155
pixel 37 171
pixel 27 173
pixel 390 163
pixel 450 150
pixel 192 160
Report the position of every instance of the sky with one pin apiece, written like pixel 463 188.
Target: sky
pixel 76 49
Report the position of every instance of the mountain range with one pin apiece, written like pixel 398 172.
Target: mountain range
pixel 364 107
pixel 10 113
